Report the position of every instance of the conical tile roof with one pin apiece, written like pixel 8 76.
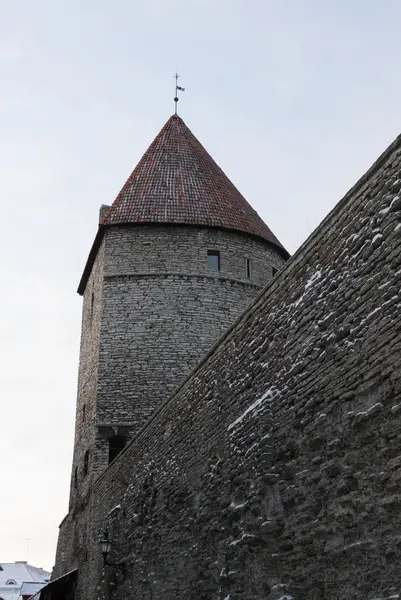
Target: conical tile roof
pixel 178 182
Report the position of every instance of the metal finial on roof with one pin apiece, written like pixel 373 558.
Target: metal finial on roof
pixel 177 88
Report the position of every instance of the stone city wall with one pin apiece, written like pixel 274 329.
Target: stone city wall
pixel 274 470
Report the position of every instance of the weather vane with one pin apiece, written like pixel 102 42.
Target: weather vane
pixel 177 88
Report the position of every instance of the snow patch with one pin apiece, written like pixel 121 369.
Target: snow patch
pixel 118 507
pixel 377 237
pixel 308 284
pixel 236 506
pixel 279 587
pixel 312 279
pixel 364 413
pixel 244 536
pixel 266 396
pixel 374 311
pixel 297 302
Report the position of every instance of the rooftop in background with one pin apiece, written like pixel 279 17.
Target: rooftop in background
pixel 178 182
pixel 29 588
pixel 13 575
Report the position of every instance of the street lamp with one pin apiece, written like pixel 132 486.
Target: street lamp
pixel 105 545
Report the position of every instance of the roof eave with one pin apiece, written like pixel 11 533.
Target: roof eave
pixel 91 259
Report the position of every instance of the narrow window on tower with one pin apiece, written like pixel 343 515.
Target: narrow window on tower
pixel 92 303
pixel 274 271
pixel 116 444
pixel 213 260
pixel 76 477
pixel 248 268
pixel 86 462
pixel 84 412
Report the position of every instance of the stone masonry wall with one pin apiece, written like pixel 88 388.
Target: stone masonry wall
pixel 85 418
pixel 274 470
pixel 151 311
pixel 163 309
pixel 86 410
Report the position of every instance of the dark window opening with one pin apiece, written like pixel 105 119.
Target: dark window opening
pixel 248 267
pixel 274 271
pixel 213 260
pixel 76 477
pixel 92 303
pixel 84 412
pixel 86 462
pixel 116 444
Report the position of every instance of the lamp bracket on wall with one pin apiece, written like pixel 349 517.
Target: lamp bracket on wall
pixel 105 545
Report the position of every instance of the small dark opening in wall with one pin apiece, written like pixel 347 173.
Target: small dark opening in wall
pixel 213 260
pixel 274 271
pixel 86 462
pixel 76 477
pixel 84 412
pixel 248 268
pixel 116 444
pixel 92 303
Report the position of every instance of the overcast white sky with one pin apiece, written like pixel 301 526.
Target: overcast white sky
pixel 294 99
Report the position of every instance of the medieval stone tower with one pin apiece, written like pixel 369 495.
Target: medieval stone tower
pixel 177 258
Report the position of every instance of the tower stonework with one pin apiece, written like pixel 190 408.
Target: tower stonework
pixel 178 257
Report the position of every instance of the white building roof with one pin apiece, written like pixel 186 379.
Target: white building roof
pixel 29 588
pixel 13 575
pixel 9 594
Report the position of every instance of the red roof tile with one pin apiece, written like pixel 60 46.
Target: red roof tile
pixel 178 182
